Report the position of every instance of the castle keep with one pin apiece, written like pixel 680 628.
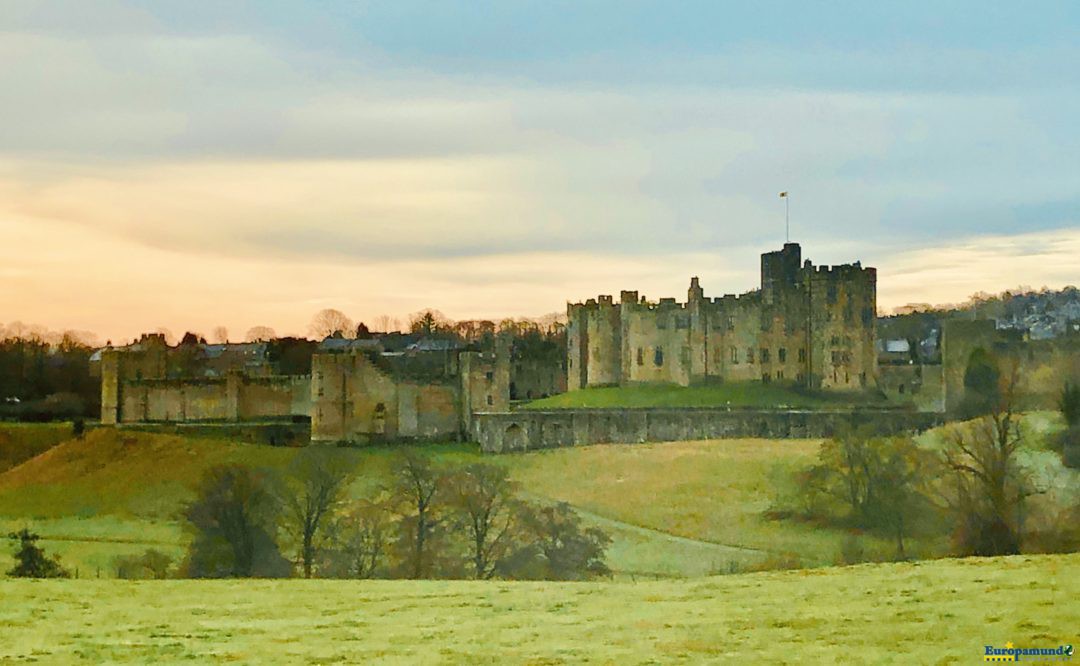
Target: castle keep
pixel 807 325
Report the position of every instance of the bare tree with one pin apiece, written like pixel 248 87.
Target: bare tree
pixel 260 334
pixel 483 497
pixel 990 487
pixel 362 537
pixel 382 323
pixel 328 322
pixel 314 488
pixel 416 486
pixel 220 335
pixel 429 322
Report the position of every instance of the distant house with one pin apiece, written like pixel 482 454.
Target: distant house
pixel 895 351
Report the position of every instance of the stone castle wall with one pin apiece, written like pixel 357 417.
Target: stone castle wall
pixel 531 430
pixel 232 398
pixel 1043 366
pixel 355 400
pixel 920 386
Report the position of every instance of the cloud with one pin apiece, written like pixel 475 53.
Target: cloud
pixel 950 273
pixel 144 153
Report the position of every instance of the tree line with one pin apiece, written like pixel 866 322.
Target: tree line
pixel 430 521
pixel 972 483
pixel 45 376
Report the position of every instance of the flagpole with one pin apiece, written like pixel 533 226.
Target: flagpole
pixel 787 216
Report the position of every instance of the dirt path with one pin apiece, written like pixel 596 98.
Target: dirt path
pixel 603 521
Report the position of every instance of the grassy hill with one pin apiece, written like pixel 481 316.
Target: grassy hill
pixel 944 611
pixel 733 394
pixel 673 509
pixel 20 442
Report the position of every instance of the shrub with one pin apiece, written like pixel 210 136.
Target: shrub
pixel 852 551
pixel 31 561
pixel 152 564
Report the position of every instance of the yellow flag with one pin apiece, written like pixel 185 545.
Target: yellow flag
pixel 783 194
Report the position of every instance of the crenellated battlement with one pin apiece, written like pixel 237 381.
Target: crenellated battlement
pixel 781 331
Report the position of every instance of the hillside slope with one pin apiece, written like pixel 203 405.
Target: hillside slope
pixel 20 442
pixel 944 611
pixel 674 509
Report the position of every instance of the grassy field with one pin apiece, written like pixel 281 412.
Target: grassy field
pixel 734 394
pixel 20 442
pixel 938 612
pixel 676 509
pixel 120 492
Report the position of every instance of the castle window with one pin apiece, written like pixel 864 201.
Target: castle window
pixel 658 357
pixel 749 354
pixel 640 356
pixel 682 321
pixel 800 378
pixel 491 400
pixel 836 358
pixel 490 376
pixel 661 322
pixel 684 355
pixel 901 389
pixel 764 354
pixel 731 323
pixel 867 316
pixel 862 379
pixel 320 391
pixel 782 355
pixel 779 375
pixel 830 294
pixel 734 355
pixel 766 378
pixel 802 355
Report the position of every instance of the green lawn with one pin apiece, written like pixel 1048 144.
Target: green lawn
pixel 937 612
pixel 734 394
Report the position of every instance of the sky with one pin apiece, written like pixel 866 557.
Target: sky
pixel 189 165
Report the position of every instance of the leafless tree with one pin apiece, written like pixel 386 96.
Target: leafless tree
pixel 990 487
pixel 328 322
pixel 382 323
pixel 221 335
pixel 416 486
pixel 482 495
pixel 314 488
pixel 260 334
pixel 362 537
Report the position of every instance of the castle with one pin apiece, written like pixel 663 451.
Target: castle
pixel 807 325
pixel 357 390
